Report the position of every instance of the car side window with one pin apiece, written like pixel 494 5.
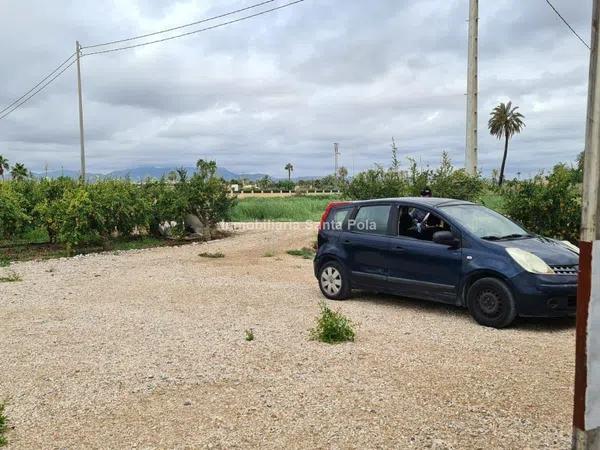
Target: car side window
pixel 419 223
pixel 336 219
pixel 371 219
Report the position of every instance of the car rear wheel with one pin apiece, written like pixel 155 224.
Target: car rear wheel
pixel 491 303
pixel 333 281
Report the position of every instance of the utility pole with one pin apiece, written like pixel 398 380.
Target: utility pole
pixel 586 413
pixel 471 141
pixel 336 154
pixel 81 136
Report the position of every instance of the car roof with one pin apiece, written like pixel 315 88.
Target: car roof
pixel 431 202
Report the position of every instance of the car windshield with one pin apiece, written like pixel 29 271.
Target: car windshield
pixel 484 222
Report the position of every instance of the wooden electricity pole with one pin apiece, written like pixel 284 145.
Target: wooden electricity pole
pixel 471 141
pixel 81 136
pixel 586 415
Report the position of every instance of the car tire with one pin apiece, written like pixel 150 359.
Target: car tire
pixel 491 303
pixel 334 281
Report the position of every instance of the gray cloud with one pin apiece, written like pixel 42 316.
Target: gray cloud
pixel 284 87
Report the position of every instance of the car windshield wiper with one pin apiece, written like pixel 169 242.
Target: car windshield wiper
pixel 491 238
pixel 516 235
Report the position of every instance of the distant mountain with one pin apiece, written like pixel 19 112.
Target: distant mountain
pixel 144 172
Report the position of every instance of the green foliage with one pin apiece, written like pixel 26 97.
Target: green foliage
pixel 445 181
pixel 448 182
pixel 167 203
pixel 12 277
pixel 13 217
pixel 211 255
pixel 281 209
pixel 19 172
pixel 77 214
pixel 207 196
pixel 505 121
pixel 3 426
pixel 550 206
pixel 119 208
pixel 376 183
pixel 249 334
pixel 304 252
pixel 332 326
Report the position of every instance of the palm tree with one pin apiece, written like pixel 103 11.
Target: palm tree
pixel 505 122
pixel 3 166
pixel 19 172
pixel 289 169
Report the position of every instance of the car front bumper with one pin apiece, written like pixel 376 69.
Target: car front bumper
pixel 545 295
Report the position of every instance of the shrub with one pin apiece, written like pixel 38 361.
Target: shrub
pixel 211 255
pixel 376 183
pixel 166 202
pixel 332 326
pixel 119 207
pixel 446 181
pixel 44 212
pixel 207 196
pixel 12 277
pixel 76 215
pixel 3 426
pixel 548 205
pixel 304 252
pixel 249 334
pixel 12 212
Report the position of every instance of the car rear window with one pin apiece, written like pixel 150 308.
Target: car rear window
pixel 372 219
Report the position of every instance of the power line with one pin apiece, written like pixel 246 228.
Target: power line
pixel 38 91
pixel 195 31
pixel 33 88
pixel 179 27
pixel 567 24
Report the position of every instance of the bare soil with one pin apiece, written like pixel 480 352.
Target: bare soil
pixel 146 349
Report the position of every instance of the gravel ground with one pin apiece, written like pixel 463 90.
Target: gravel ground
pixel 146 349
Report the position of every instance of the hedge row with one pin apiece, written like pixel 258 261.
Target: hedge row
pixel 548 204
pixel 76 214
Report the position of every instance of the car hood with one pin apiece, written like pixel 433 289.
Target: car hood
pixel 551 251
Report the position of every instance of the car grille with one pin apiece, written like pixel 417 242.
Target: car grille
pixel 566 270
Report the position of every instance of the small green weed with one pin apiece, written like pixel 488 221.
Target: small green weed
pixel 4 261
pixel 304 252
pixel 11 278
pixel 3 426
pixel 211 255
pixel 249 334
pixel 332 326
pixel 268 254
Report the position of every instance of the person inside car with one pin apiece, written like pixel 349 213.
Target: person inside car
pixel 420 215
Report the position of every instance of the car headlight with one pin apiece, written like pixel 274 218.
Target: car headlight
pixel 529 261
pixel 570 246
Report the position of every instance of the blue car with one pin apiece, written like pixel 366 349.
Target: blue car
pixel 449 251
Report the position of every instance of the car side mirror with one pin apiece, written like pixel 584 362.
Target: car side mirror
pixel 445 238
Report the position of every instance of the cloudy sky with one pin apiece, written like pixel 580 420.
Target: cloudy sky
pixel 284 86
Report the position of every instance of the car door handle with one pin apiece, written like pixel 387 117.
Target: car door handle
pixel 347 241
pixel 399 248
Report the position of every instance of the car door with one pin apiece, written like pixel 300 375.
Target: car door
pixel 366 243
pixel 419 267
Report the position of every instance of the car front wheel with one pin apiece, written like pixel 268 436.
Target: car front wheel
pixel 333 281
pixel 491 303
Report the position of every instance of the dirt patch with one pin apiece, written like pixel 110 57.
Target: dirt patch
pixel 147 348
